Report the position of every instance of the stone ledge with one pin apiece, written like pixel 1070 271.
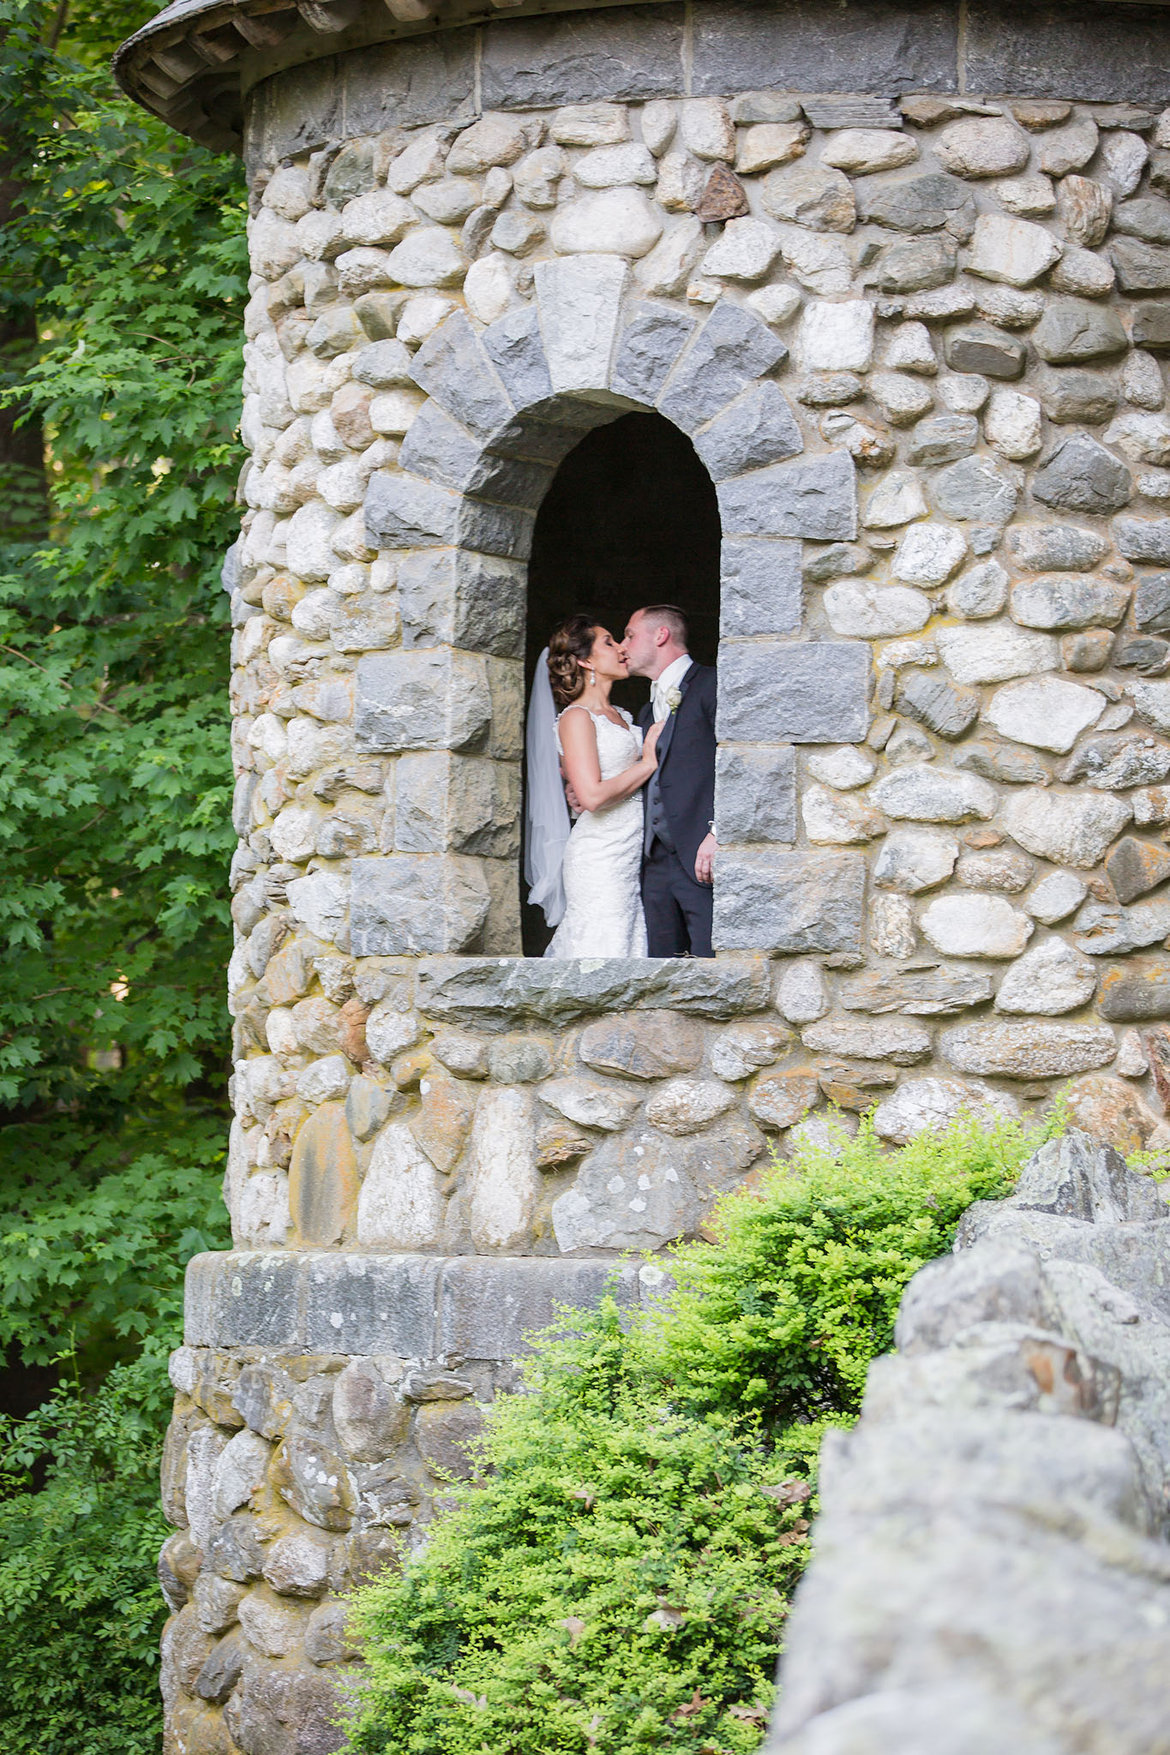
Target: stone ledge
pixel 418 1306
pixel 495 992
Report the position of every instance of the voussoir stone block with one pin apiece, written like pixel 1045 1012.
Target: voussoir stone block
pixel 758 428
pixel 812 497
pixel 414 905
pixel 732 348
pixel 813 692
pixel 647 350
pixel 452 366
pixel 434 698
pixel 789 902
pixel 514 346
pixel 579 299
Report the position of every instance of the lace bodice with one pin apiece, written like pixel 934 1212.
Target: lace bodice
pixel 618 746
pixel 603 858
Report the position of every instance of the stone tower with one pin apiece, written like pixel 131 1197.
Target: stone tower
pixel 873 297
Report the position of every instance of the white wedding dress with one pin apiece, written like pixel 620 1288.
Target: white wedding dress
pixel 603 858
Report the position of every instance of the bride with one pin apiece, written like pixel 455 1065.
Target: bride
pixel 586 877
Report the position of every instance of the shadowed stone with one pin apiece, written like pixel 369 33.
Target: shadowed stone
pixel 579 299
pixel 757 429
pixel 815 498
pixel 789 902
pixel 732 348
pixel 1136 989
pixel 452 367
pixel 323 1177
pixel 760 587
pixel 808 693
pixel 755 793
pixel 513 345
pixel 1134 867
pixel 647 350
pixel 472 601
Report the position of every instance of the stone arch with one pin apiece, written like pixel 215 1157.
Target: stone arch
pixel 504 406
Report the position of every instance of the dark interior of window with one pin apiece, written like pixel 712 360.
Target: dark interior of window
pixel 631 519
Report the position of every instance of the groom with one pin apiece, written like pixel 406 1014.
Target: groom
pixel 679 848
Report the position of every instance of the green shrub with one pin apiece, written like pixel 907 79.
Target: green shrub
pixel 80 1530
pixel 618 1578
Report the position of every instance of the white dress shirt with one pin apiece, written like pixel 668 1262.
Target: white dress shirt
pixel 670 678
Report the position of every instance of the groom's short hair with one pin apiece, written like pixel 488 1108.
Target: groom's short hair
pixel 667 615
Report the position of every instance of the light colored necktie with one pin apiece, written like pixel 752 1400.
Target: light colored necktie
pixel 658 704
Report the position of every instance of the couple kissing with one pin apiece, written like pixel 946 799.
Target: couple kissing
pixel 629 874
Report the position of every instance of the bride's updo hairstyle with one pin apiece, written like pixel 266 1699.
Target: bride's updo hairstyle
pixel 569 646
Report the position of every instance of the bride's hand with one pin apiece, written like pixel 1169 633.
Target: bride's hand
pixel 649 740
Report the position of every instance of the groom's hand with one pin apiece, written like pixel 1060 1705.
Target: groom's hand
pixel 705 860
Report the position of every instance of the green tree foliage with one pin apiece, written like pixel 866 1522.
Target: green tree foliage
pixel 617 1579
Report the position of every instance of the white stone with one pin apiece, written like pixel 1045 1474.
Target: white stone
pixel 975 925
pixel 608 167
pixel 901 399
pixel 963 393
pixel 659 121
pixel 294 834
pixel 774 304
pixel 319 234
pixel 909 348
pixel 857 608
pixel 979 592
pixel 707 129
pixel 493 140
pixel 1152 701
pixel 897 499
pixel 537 175
pixel 580 306
pixel 590 1103
pixel 982 146
pixel 517 232
pixel 390 1032
pixel 921 794
pixel 765 145
pixel 204 1448
pixel 1055 897
pixel 261 1219
pixel 1082 272
pixel 674 258
pixel 273 244
pixel 891 926
pixel 312 382
pixel 1045 711
pixel 1061 150
pixel 1070 828
pixel 1123 159
pixel 746 250
pixel 281 1031
pixel 422 161
pixel 680 182
pixel 619 222
pixel 1141 434
pixel 393 411
pixel 319 902
pixel 1012 424
pixel 308 541
pixel 324 1080
pixel 287 192
pixel 1049 979
pixel 835 337
pixel 922 1105
pixel 590 125
pixel 1141 380
pixel 343 485
pixel 450 201
pixel 843 769
pixel 378 218
pixel 361 268
pixel 821 264
pixel 996 653
pixel 928 554
pixel 1027 196
pixel 863 150
pixel 1131 1056
pixel 399 1204
pixel 1013 250
pixel 833 821
pixel 800 993
pixel 239 1471
pixel 900 653
pixel 683 1106
pixel 504 1179
pixel 427 257
pixel 1154 485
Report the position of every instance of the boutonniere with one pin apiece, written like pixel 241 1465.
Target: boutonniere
pixel 673 699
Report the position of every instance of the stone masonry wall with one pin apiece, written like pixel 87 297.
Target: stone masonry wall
pixel 919 348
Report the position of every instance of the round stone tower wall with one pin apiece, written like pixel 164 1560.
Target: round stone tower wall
pixel 901 275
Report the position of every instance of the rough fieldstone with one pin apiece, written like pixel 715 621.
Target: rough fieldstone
pixel 1071 331
pixel 937 704
pixel 746 1047
pixel 801 996
pixel 755 793
pixel 857 608
pixel 1151 326
pixel 731 350
pixel 1141 268
pixel 1111 764
pixel 916 265
pixel 399 1206
pixel 980 348
pixel 809 195
pixel 1134 990
pixel 1143 539
pixel 818 262
pixel 1048 979
pixel 411 905
pixel 1045 712
pixel 779 1100
pixel 368 1414
pixel 1013 250
pixel 901 1043
pixel 999 868
pixel 1027 1051
pixel 763 145
pixel 942 438
pixel 980 592
pixel 912 860
pixel 982 146
pixel 1013 425
pixel 684 1106
pixel 831 820
pixel 323 1177
pixel 1041 548
pixel 1084 207
pixel 755 430
pixel 1082 476
pixel 921 204
pixel 1152 702
pixel 805 693
pixel 1055 897
pixel 976 926
pixel 589 1103
pixel 789 902
pixel 1106 931
pixel 501 992
pixel 431 699
pixel 1134 867
pixel 1072 397
pixel 645 1045
pixel 974 488
pixel 922 1105
pixel 923 993
pixel 922 794
pixel 1002 761
pixel 1068 829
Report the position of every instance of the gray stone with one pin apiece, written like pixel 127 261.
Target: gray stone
pixel 1135 990
pixel 801 996
pixel 1143 539
pixel 514 346
pixel 579 300
pixel 1062 602
pixel 912 860
pixel 803 693
pixel 1048 979
pixel 925 993
pixel 590 1103
pixel 789 902
pixel 915 265
pixel 1072 330
pixel 1105 931
pixel 1040 548
pixel 1151 603
pixel 648 349
pixel 1068 828
pixel 810 195
pixel 974 488
pixel 1111 764
pixel 1001 761
pixel 1077 398
pixel 982 146
pixel 1151 326
pixel 471 601
pixel 856 607
pixel 979 592
pixel 539 62
pixel 642 1045
pixel 922 794
pixel 757 429
pixel 276 1710
pixel 1012 250
pixel 980 348
pixel 938 704
pixel 685 1106
pixel 1150 656
pixel 1135 867
pixel 412 905
pixel 1055 897
pixel 901 1043
pixel 430 699
pixel 755 794
pixel 744 1048
pixel 997 868
pixel 297 1566
pixel 223 1668
pixel 921 204
pixel 1082 476
pixel 760 587
pixel 1141 268
pixel 405 512
pixel 1027 1051
pixel 942 438
pixel 732 348
pixel 496 992
pixel 368 1413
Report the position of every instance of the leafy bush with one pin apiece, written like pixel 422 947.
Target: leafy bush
pixel 618 1578
pixel 79 1532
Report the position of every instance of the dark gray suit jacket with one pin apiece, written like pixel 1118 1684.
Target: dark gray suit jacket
pixel 686 762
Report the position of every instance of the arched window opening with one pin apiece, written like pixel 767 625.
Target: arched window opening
pixel 630 519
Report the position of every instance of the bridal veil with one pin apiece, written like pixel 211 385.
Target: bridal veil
pixel 546 815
